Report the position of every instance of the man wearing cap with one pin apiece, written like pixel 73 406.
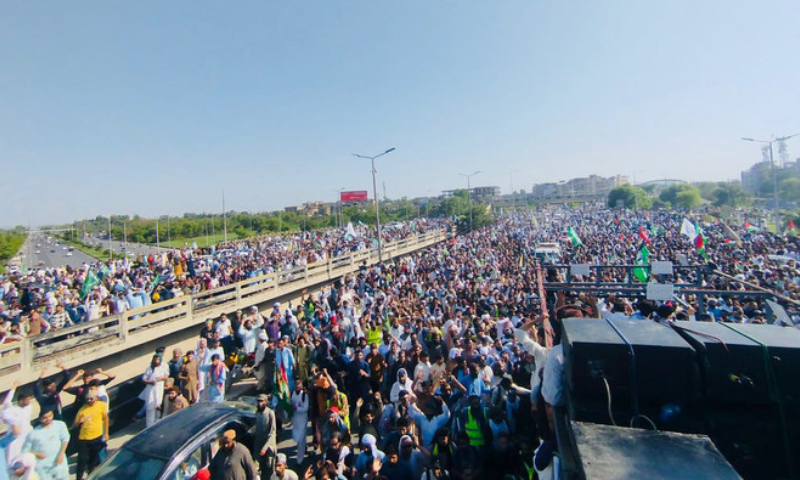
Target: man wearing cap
pixel 188 378
pixel 282 472
pixel 177 401
pixel 265 442
pixel 232 461
pixel 92 421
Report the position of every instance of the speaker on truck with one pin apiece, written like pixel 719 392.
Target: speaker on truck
pixel 750 393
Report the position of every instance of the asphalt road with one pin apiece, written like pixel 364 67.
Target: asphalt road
pixel 132 248
pixel 55 256
pixel 51 255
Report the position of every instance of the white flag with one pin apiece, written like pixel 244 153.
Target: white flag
pixel 350 230
pixel 688 230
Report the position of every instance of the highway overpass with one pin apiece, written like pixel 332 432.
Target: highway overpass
pixel 123 344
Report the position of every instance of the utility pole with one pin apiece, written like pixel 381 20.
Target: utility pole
pixel 469 195
pixel 377 200
pixel 777 211
pixel 110 254
pixel 158 241
pixel 224 219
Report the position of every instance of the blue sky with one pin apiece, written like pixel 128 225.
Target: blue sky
pixel 154 108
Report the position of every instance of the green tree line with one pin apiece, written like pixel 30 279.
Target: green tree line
pixel 10 243
pixel 681 196
pixel 244 224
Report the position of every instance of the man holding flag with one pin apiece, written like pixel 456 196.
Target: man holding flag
pixel 89 283
pixel 642 259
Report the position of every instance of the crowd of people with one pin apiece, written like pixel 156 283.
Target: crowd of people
pixel 50 299
pixel 440 364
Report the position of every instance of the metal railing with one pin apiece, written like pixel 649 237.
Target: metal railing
pixel 692 284
pixel 77 345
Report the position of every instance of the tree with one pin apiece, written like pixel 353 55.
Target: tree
pixel 708 190
pixel 731 195
pixel 683 195
pixel 628 196
pixel 789 189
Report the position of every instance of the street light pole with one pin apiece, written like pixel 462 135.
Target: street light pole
pixel 469 195
pixel 338 208
pixel 377 200
pixel 110 254
pixel 777 211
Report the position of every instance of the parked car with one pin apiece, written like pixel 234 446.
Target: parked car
pixel 182 443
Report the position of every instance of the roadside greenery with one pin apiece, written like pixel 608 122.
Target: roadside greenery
pixel 204 228
pixel 10 243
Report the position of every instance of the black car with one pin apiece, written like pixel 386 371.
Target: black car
pixel 181 444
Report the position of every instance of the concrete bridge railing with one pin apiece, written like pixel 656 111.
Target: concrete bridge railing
pixel 80 344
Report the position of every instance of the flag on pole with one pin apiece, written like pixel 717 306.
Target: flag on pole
pixel 688 230
pixel 700 242
pixel 89 283
pixel 350 231
pixel 573 237
pixel 642 259
pixel 749 227
pixel 731 234
pixel 643 235
pixel 792 230
pixel 282 391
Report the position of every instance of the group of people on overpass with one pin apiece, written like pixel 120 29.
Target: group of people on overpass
pixel 50 299
pixel 438 365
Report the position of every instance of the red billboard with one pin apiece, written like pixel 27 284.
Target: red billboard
pixel 354 196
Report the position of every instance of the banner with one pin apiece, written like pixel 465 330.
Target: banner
pixel 353 196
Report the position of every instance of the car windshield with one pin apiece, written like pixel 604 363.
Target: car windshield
pixel 126 464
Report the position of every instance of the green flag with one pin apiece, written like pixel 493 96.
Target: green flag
pixel 573 237
pixel 89 283
pixel 642 258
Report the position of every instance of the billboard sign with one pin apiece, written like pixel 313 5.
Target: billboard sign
pixel 353 196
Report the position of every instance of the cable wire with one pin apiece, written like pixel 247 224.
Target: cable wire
pixel 608 395
pixel 641 415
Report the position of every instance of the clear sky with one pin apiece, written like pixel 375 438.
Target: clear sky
pixel 153 107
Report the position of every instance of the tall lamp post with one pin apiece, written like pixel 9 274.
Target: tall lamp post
pixel 777 212
pixel 469 194
pixel 338 207
pixel 377 201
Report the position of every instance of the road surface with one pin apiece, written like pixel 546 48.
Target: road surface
pixel 39 253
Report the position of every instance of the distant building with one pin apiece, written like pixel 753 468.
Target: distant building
pixel 478 193
pixel 314 209
pixel 593 187
pixel 758 178
pixel 752 177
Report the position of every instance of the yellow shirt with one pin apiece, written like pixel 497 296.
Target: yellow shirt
pixel 93 426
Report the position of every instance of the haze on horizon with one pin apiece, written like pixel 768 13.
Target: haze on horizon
pixel 154 108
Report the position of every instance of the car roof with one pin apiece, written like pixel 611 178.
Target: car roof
pixel 169 434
